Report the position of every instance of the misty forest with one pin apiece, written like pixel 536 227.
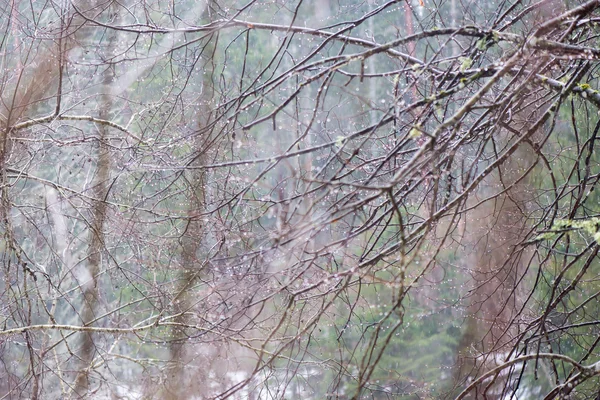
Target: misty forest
pixel 299 199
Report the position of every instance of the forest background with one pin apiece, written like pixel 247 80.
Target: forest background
pixel 299 199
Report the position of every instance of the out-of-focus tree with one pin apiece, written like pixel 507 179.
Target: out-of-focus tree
pixel 284 199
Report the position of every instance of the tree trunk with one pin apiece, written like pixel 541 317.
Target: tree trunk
pixel 90 283
pixel 180 384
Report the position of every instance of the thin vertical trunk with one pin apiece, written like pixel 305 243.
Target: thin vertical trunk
pixel 180 385
pixel 500 226
pixel 177 383
pixel 454 20
pixel 372 82
pixel 409 25
pixel 90 286
pixel 497 228
pixel 494 299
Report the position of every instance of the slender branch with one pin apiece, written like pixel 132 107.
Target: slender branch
pixel 589 369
